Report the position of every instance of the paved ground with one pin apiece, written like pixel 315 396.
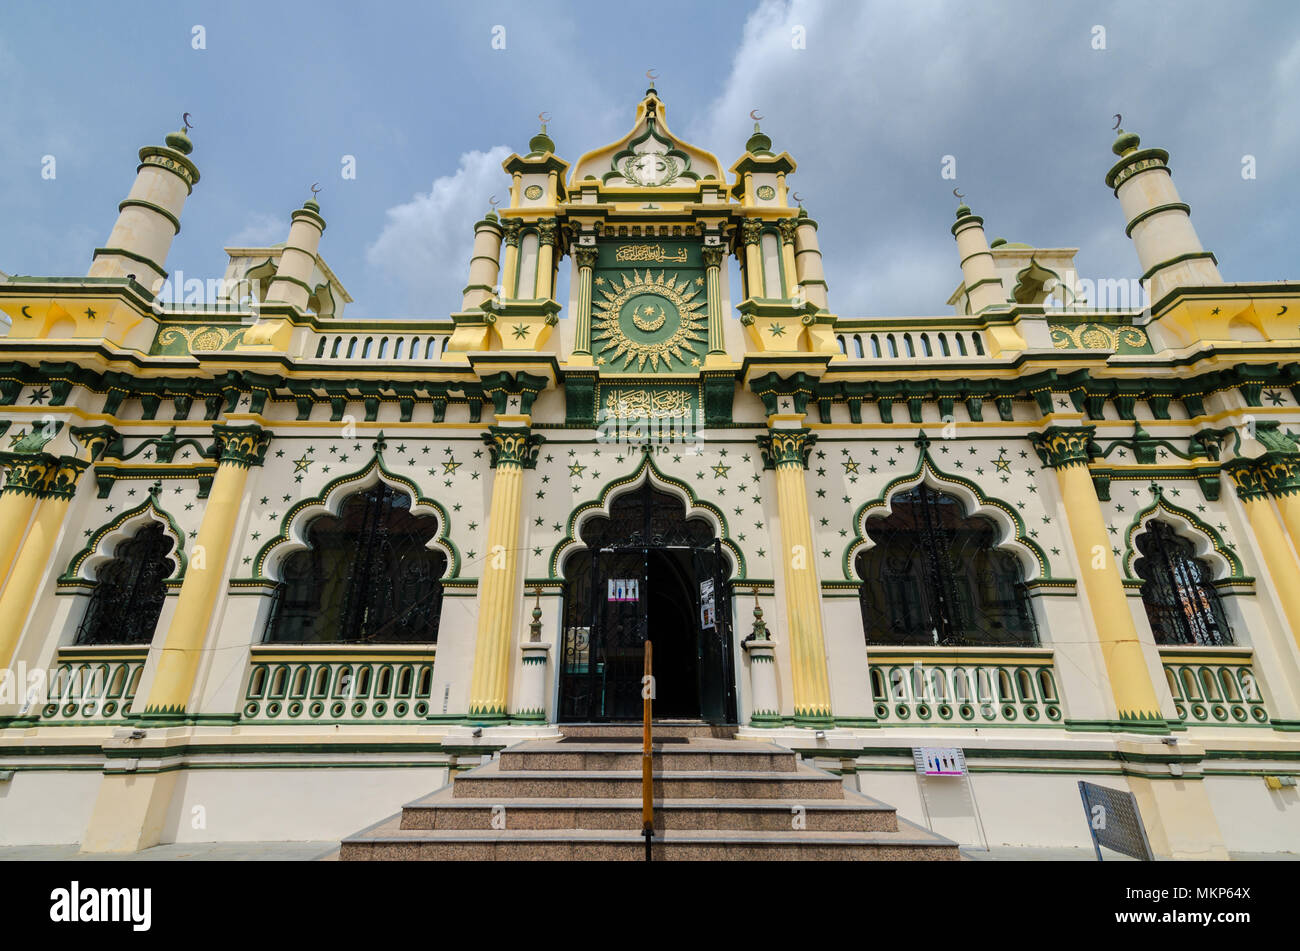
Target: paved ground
pixel 307 851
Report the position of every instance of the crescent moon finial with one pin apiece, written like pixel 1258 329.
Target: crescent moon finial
pixel 1118 120
pixel 795 196
pixel 755 115
pixel 315 189
pixel 652 74
pixel 958 195
pixel 493 201
pixel 543 117
pixel 185 118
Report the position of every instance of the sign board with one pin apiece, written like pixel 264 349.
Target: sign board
pixel 1114 821
pixel 939 761
pixel 624 589
pixel 707 604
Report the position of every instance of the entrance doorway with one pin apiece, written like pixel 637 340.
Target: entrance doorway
pixel 648 572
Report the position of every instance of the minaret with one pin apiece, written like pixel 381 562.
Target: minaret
pixel 1169 251
pixel 485 265
pixel 150 216
pixel 808 261
pixel 298 260
pixel 978 273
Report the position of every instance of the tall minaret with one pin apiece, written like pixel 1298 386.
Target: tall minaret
pixel 298 260
pixel 979 274
pixel 1169 251
pixel 150 216
pixel 485 264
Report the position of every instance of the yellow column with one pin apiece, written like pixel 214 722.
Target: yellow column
pixel 752 234
pixel 510 271
pixel 786 451
pixel 512 450
pixel 1274 476
pixel 586 258
pixel 713 288
pixel 1065 450
pixel 173 684
pixel 787 228
pixel 16 507
pixel 54 481
pixel 545 259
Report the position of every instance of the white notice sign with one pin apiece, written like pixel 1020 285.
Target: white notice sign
pixel 624 589
pixel 939 761
pixel 707 606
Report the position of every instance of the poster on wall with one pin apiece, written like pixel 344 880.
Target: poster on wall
pixel 624 589
pixel 707 606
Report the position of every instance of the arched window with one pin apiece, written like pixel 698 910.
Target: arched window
pixel 893 347
pixel 925 345
pixel 840 339
pixel 943 345
pixel 334 350
pixel 320 348
pixel 934 577
pixel 875 346
pixel 1181 601
pixel 367 577
pixel 397 349
pixel 907 345
pixel 857 346
pixel 129 591
pixel 979 344
pixel 961 344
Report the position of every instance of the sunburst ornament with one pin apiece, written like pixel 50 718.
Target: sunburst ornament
pixel 645 304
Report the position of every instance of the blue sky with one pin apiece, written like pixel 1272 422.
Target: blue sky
pixel 415 91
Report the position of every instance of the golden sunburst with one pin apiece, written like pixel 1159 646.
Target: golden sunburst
pixel 691 329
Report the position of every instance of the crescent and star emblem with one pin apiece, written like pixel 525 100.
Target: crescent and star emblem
pixel 646 323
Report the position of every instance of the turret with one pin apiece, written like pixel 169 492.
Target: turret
pixel 150 216
pixel 1168 249
pixel 485 265
pixel 979 274
pixel 291 284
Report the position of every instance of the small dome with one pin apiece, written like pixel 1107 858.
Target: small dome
pixel 541 142
pixel 759 143
pixel 963 211
pixel 180 142
pixel 311 205
pixel 997 242
pixel 1126 143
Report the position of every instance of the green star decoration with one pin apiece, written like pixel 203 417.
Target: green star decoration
pixel 776 330
pixel 720 471
pixel 449 466
pixel 520 331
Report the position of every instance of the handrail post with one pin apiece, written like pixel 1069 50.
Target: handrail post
pixel 647 755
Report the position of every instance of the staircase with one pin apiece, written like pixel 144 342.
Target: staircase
pixel 579 797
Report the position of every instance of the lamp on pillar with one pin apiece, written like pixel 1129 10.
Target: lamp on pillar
pixel 532 691
pixel 761 650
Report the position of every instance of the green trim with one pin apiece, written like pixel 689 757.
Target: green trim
pixel 159 209
pixel 1155 210
pixel 71 573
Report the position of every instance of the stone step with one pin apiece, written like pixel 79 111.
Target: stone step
pixel 490 781
pixel 442 810
pixel 659 728
pixel 386 841
pixel 697 754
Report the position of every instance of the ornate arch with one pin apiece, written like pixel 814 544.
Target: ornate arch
pixel 103 543
pixel 646 471
pixel 1011 527
pixel 292 536
pixel 1208 544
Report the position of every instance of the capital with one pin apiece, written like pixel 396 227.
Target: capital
pixel 243 446
pixel 751 231
pixel 787 228
pixel 586 257
pixel 786 447
pixel 513 228
pixel 713 257
pixel 41 474
pixel 1275 474
pixel 1061 447
pixel 513 447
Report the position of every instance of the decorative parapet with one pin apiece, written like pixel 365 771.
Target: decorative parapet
pixel 955 688
pixel 377 685
pixel 1214 686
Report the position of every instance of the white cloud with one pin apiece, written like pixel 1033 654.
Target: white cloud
pixel 261 230
pixel 426 243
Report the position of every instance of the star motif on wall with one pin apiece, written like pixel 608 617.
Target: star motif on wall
pixel 449 466
pixel 577 470
pixel 90 314
pixel 1002 463
pixel 21 434
pixel 303 464
pixel 776 330
pixel 40 396
pixel 850 466
pixel 520 331
pixel 720 471
pixel 1274 397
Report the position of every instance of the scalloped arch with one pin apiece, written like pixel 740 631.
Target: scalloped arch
pixel 330 502
pixel 1208 543
pixel 104 541
pixel 646 471
pixel 975 502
